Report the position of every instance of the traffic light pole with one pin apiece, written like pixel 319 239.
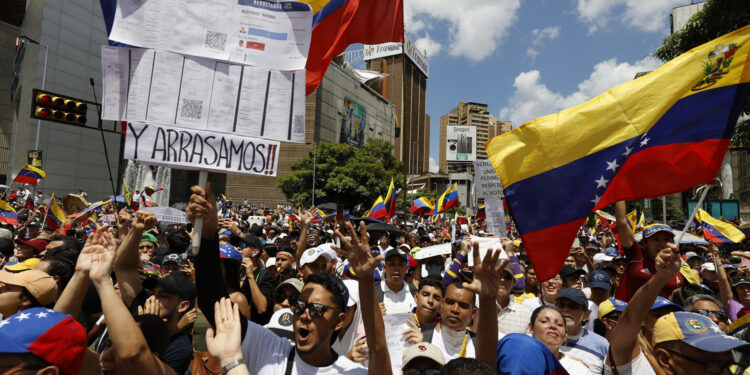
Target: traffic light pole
pixel 44 80
pixel 104 142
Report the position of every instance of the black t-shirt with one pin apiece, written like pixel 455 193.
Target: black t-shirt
pixel 179 353
pixel 266 283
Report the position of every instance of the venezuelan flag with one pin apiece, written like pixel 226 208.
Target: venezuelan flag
pixel 448 200
pixel 423 206
pixel 717 231
pixel 641 223
pixel 8 214
pixel 659 134
pixel 91 207
pixel 378 210
pixel 29 175
pixel 390 200
pixel 126 193
pixel 29 203
pixel 150 190
pixel 481 212
pixel 55 216
pixel 632 219
pixel 339 23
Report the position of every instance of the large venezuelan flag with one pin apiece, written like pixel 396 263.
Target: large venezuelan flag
pixel 717 231
pixel 339 23
pixel 29 175
pixel 659 134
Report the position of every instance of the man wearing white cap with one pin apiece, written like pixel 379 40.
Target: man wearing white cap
pixel 421 358
pixel 314 260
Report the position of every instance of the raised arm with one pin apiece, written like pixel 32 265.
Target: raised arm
pixel 725 289
pixel 127 340
pixel 364 264
pixel 627 238
pixel 127 260
pixel 624 346
pixel 306 217
pixel 72 296
pixel 486 282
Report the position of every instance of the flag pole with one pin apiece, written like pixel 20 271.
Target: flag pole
pixel 695 210
pixel 198 226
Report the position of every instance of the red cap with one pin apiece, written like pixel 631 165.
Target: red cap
pixel 37 243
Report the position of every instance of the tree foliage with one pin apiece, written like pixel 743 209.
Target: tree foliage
pixel 345 175
pixel 718 17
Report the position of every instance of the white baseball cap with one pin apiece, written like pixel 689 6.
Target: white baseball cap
pixel 310 255
pixel 708 266
pixel 600 258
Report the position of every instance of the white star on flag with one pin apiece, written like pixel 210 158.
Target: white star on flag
pixel 601 182
pixel 612 165
pixel 645 141
pixel 596 199
pixel 4 322
pixel 22 316
pixel 627 152
pixel 41 315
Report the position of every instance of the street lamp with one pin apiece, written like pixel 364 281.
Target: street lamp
pixel 44 79
pixel 413 162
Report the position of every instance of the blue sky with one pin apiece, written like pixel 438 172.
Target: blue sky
pixel 526 59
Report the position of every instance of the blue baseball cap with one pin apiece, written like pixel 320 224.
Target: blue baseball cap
pixel 611 251
pixel 695 330
pixel 600 279
pixel 653 229
pixel 54 337
pixel 229 252
pixel 610 305
pixel 663 302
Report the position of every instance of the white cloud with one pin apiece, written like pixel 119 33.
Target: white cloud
pixel 428 45
pixel 645 15
pixel 533 99
pixel 434 167
pixel 475 29
pixel 539 36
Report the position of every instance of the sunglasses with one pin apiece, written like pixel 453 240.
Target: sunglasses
pixel 720 315
pixel 317 310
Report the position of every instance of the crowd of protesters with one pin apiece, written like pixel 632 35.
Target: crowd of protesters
pixel 268 294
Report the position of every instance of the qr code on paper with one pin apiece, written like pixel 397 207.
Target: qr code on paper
pixel 299 124
pixel 191 109
pixel 215 40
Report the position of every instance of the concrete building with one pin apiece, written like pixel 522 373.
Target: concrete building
pixel 405 85
pixel 469 114
pixel 70 34
pixel 340 102
pixel 681 15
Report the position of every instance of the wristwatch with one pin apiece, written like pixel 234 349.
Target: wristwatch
pixel 229 366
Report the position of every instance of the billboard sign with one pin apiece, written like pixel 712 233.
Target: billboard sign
pixel 353 119
pixel 461 144
pixel 419 58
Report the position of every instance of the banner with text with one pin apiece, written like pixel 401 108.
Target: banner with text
pixel 197 149
pixel 486 182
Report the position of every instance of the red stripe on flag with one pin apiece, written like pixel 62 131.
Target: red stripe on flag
pixel 548 262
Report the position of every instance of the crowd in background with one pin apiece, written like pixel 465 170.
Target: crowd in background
pixel 273 291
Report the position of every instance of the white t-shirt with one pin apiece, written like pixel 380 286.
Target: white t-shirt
pixel 450 343
pixel 574 366
pixel 397 302
pixel 638 366
pixel 266 354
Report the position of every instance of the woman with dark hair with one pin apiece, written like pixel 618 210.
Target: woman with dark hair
pixel 548 326
pixel 231 263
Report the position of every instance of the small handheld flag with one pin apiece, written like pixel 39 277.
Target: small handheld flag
pixel 30 175
pixel 378 210
pixel 423 206
pixel 8 214
pixel 390 200
pixel 55 216
pixel 448 200
pixel 30 203
pixel 716 230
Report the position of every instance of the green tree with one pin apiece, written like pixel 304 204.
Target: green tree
pixel 718 17
pixel 345 175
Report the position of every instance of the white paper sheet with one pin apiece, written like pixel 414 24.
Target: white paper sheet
pixel 395 325
pixel 195 92
pixel 224 93
pixel 141 66
pixel 115 66
pixel 165 87
pixel 270 34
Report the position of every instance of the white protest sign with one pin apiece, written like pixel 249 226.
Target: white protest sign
pixel 493 207
pixel 142 85
pixel 395 325
pixel 486 182
pixel 263 33
pixel 198 149
pixel 486 243
pixel 431 251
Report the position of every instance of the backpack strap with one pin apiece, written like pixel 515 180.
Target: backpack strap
pixel 290 361
pixel 412 289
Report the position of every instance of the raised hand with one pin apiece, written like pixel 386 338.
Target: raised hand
pixel 144 220
pixel 203 204
pixel 224 344
pixel 101 254
pixel 508 245
pixel 308 215
pixel 123 222
pixel 358 251
pixel 668 261
pixel 487 273
pixel 150 307
pixel 413 335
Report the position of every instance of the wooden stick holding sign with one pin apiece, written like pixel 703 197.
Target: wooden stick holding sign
pixel 198 226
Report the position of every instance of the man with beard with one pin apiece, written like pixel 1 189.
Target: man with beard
pixel 317 313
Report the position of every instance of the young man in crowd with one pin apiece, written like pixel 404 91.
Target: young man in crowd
pixel 429 297
pixel 396 295
pixel 452 334
pixel 285 265
pixel 25 290
pixel 581 344
pixel 317 314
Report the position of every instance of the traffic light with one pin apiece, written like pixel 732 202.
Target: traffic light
pixel 60 108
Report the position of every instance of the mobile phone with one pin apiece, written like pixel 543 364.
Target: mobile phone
pixel 339 211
